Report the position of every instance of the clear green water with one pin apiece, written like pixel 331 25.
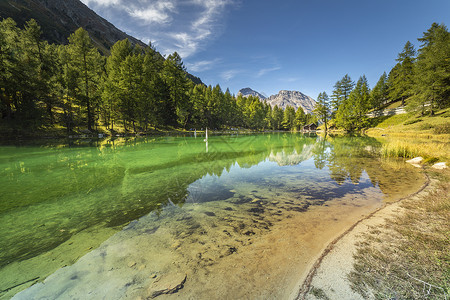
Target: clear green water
pixel 55 196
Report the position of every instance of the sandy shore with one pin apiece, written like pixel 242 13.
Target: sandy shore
pixel 327 278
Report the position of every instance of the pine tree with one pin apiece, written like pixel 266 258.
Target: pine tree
pixel 289 118
pixel 402 81
pixel 351 114
pixel 87 63
pixel 174 75
pixel 379 93
pixel 321 109
pixel 300 118
pixel 433 69
pixel 341 92
pixel 277 118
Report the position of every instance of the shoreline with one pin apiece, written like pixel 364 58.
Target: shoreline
pixel 318 273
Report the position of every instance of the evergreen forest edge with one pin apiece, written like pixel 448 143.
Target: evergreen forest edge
pixel 135 89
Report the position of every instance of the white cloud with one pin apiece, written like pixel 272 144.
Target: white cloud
pixel 267 70
pixel 201 28
pixel 184 26
pixel 158 12
pixel 101 2
pixel 202 65
pixel 228 75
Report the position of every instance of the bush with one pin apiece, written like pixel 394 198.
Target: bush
pixel 442 129
pixel 412 121
pixel 425 126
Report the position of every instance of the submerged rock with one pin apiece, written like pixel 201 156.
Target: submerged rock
pixel 167 285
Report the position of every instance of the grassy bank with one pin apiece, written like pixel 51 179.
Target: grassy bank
pixel 411 135
pixel 409 257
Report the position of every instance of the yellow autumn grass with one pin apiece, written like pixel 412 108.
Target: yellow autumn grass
pixel 437 148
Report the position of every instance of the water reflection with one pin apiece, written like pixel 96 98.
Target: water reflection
pixel 52 193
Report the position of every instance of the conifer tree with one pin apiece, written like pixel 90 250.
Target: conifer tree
pixel 379 93
pixel 289 118
pixel 402 79
pixel 300 118
pixel 351 114
pixel 87 63
pixel 277 118
pixel 432 80
pixel 174 75
pixel 341 92
pixel 322 108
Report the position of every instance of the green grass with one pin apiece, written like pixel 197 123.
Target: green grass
pixel 413 122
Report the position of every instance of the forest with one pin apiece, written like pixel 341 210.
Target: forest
pixel 134 89
pixel 420 80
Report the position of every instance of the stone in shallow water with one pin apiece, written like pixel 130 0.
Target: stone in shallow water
pixel 440 166
pixel 170 284
pixel 416 160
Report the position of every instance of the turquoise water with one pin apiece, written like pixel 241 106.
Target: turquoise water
pixel 59 201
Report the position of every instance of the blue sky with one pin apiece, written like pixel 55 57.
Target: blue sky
pixel 272 45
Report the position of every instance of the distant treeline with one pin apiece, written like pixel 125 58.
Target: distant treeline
pixel 420 79
pixel 134 89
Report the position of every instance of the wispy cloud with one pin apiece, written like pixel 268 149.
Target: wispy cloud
pixel 101 2
pixel 202 65
pixel 202 27
pixel 185 26
pixel 290 79
pixel 158 12
pixel 263 72
pixel 229 74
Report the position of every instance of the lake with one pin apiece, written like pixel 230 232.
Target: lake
pixel 238 216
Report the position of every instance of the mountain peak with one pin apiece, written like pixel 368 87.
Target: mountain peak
pixel 296 99
pixel 283 99
pixel 245 92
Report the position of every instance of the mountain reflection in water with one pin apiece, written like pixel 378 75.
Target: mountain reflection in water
pixel 52 194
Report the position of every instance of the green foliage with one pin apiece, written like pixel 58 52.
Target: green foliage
pixel 322 108
pixel 86 64
pixel 277 118
pixel 410 122
pixel 442 129
pixel 351 114
pixel 289 118
pixel 341 92
pixel 401 78
pixel 379 94
pixel 432 80
pixel 74 86
pixel 300 118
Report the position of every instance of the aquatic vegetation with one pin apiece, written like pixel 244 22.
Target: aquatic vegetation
pixel 60 202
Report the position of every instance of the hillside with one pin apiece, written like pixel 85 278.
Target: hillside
pixel 58 19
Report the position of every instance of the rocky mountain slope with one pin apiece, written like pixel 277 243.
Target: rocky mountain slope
pixel 58 19
pixel 249 92
pixel 283 99
pixel 292 98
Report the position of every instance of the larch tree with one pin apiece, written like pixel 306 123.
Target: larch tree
pixel 432 80
pixel 402 80
pixel 322 109
pixel 341 91
pixel 379 93
pixel 87 62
